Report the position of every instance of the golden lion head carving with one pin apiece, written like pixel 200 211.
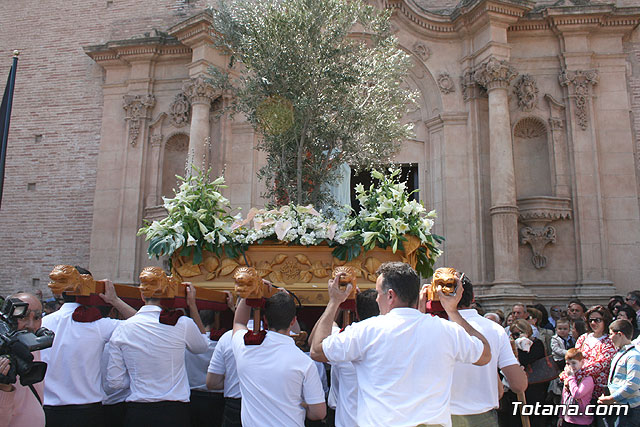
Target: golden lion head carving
pixel 444 279
pixel 348 276
pixel 248 283
pixel 66 278
pixel 154 283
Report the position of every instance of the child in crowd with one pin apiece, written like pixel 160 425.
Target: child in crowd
pixel 575 393
pixel 578 328
pixel 560 343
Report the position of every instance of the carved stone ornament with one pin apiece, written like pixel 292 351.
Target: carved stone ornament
pixel 470 88
pixel 494 73
pixel 527 92
pixel 445 83
pixel 529 127
pixel 581 81
pixel 200 91
pixel 538 238
pixel 137 109
pixel 556 123
pixel 421 50
pixel 180 111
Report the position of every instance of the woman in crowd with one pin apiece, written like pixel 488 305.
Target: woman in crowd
pixel 577 328
pixel 529 350
pixel 537 319
pixel 615 302
pixel 626 312
pixel 597 349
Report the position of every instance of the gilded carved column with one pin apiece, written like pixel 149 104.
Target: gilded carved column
pixel 200 94
pixel 495 76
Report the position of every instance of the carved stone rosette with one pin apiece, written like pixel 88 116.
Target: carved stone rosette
pixel 199 91
pixel 581 81
pixel 526 90
pixel 137 108
pixel 421 50
pixel 494 73
pixel 445 83
pixel 180 111
pixel 538 238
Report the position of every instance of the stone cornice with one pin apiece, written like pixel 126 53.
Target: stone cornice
pixel 572 18
pixel 543 208
pixel 124 51
pixel 195 29
pixel 461 18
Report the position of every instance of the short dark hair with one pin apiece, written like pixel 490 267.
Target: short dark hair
pixel 280 310
pixel 207 317
pixel 467 292
pixel 366 305
pixel 577 301
pixel 623 326
pixel 580 325
pixel 403 279
pixel 635 295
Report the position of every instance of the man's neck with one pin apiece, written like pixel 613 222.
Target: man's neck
pixel 282 331
pixel 624 344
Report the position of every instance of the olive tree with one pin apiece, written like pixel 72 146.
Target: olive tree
pixel 320 80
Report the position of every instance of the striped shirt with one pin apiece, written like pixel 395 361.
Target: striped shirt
pixel 624 379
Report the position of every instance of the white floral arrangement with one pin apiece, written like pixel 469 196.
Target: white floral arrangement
pixel 197 220
pixel 293 224
pixel 389 218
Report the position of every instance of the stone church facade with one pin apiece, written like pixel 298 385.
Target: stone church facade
pixel 527 136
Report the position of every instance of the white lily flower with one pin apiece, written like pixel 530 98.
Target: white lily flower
pixel 368 236
pixel 281 228
pixel 190 240
pixel 203 229
pixel 210 237
pixel 331 230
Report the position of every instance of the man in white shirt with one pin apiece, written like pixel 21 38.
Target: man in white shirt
pixel 222 373
pixel 148 356
pixel 404 359
pixel 73 388
pixel 278 382
pixel 206 406
pixel 344 382
pixel 474 393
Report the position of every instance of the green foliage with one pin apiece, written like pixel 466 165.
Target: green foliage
pixel 320 80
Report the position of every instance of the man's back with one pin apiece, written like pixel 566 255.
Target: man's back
pixel 224 363
pixel 149 356
pixel 276 377
pixel 475 388
pixel 73 374
pixel 404 363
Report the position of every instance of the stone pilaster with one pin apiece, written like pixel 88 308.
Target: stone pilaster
pixel 137 109
pixel 200 94
pixel 496 75
pixel 580 83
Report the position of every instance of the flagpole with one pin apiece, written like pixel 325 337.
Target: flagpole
pixel 8 94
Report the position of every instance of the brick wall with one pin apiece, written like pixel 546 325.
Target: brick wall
pixel 58 95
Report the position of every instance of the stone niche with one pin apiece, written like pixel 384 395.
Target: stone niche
pixel 538 202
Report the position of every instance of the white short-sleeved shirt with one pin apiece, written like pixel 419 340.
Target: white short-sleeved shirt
pixel 475 388
pixel 196 365
pixel 276 377
pixel 404 363
pixel 73 362
pixel 148 356
pixel 344 389
pixel 223 363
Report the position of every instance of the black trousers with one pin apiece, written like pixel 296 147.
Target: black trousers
pixel 114 414
pixel 206 408
pixel 232 416
pixel 157 414
pixel 91 415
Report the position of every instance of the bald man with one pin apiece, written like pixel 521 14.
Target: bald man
pixel 19 406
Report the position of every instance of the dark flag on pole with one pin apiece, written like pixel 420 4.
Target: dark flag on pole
pixel 5 116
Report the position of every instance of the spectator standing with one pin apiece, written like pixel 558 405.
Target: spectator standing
pixel 624 378
pixel 633 299
pixel 626 312
pixel 576 310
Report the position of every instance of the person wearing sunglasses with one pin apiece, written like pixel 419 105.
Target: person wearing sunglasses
pixel 597 348
pixel 633 299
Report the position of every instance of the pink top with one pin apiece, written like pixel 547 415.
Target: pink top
pixel 20 408
pixel 580 394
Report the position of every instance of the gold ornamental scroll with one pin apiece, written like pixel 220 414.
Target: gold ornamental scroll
pixel 304 270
